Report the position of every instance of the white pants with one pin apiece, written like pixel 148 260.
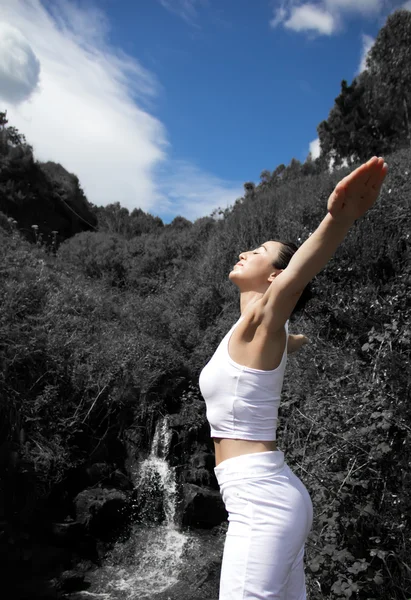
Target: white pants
pixel 270 515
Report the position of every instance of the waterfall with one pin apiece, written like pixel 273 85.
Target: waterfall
pixel 160 445
pixel 150 561
pixel 155 480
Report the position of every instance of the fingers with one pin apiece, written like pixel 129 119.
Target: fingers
pixel 358 191
pixel 377 176
pixel 373 167
pixel 369 174
pixel 372 160
pixel 360 174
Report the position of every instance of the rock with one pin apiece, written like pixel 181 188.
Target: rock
pixel 102 474
pixel 199 467
pixel 45 559
pixel 28 587
pixel 66 534
pixel 120 481
pixel 103 512
pixel 74 536
pixel 98 473
pixel 202 507
pixel 72 581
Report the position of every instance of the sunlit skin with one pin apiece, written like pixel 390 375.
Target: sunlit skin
pixel 253 274
pixel 268 295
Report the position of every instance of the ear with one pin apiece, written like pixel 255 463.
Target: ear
pixel 274 274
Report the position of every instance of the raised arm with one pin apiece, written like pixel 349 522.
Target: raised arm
pixel 351 198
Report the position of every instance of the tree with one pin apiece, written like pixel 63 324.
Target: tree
pixel 265 177
pixel 311 166
pixel 278 173
pixel 249 190
pixel 141 222
pixel 348 132
pixel 389 65
pixel 3 119
pixel 113 218
pixel 292 171
pixel 10 136
pixel 180 223
pixel 372 115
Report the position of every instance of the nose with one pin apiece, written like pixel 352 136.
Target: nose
pixel 242 255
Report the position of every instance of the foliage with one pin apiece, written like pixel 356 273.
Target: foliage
pixel 97 255
pixel 348 132
pixel 113 328
pixel 38 194
pixel 113 218
pixel 75 357
pixel 146 262
pixel 363 122
pixel 388 63
pixel 9 135
pixel 372 115
pixel 346 423
pixel 87 349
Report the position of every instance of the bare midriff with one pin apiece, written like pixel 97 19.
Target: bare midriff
pixel 226 448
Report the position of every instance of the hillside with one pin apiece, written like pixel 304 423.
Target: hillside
pixel 100 339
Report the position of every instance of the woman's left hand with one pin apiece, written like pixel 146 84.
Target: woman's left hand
pixel 358 191
pixel 296 341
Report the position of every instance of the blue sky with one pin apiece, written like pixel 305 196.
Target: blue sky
pixel 239 96
pixel 171 105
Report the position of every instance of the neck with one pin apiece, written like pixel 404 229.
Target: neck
pixel 247 299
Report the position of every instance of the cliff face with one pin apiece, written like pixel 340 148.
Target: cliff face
pixel 42 194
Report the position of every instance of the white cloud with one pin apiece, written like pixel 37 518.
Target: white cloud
pixel 365 7
pixel 192 193
pixel 90 110
pixel 186 9
pixel 323 17
pixel 407 5
pixel 310 18
pixel 84 115
pixel 367 43
pixel 315 148
pixel 92 24
pixel 279 17
pixel 19 66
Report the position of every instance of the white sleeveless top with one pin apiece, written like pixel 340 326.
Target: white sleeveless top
pixel 242 403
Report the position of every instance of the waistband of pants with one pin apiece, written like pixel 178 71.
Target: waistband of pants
pixel 250 466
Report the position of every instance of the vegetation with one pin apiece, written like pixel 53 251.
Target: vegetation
pixel 372 115
pixel 41 194
pixel 112 326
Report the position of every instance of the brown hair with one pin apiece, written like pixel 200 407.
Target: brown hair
pixel 285 254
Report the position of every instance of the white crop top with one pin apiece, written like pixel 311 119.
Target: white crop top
pixel 242 403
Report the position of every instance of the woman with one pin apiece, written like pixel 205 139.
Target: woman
pixel 270 511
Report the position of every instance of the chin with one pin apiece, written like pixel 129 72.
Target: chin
pixel 232 276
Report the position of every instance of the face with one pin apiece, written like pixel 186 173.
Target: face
pixel 254 270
